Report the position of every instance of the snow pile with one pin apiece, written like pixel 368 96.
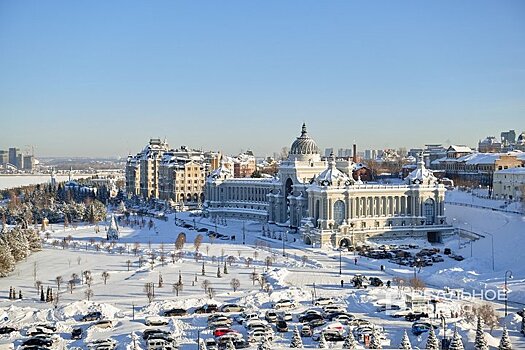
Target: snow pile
pixel 80 308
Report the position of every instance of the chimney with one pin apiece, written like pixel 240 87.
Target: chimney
pixel 354 153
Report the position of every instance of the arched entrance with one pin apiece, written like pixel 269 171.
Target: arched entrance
pixel 307 240
pixel 345 243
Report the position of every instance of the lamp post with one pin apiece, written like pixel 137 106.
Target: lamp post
pixel 492 246
pixel 340 262
pixel 416 265
pixel 284 251
pixel 508 274
pixel 243 234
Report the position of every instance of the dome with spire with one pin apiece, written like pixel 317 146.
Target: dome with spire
pixel 332 176
pixel 304 145
pixel 421 175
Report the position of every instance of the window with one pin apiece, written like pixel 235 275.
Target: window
pixel 429 211
pixel 339 212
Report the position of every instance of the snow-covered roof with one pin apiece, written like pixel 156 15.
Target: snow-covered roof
pixel 332 176
pixel 458 148
pixel 421 175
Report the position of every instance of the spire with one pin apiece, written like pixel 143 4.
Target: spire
pixel 331 160
pixel 303 130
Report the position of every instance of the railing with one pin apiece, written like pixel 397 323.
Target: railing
pixel 483 207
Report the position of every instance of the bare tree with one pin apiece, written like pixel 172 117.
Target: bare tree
pixel 417 284
pixel 71 285
pixel 149 290
pixel 211 293
pixel 177 288
pixel 136 247
pixel 105 276
pixel 128 263
pixel 484 311
pixel 59 280
pixel 89 293
pixel 254 276
pixel 179 242
pixel 205 285
pixel 198 242
pixel 235 284
pixel 38 284
pixel 268 261
pixel 230 259
pixel 255 254
pixel 248 262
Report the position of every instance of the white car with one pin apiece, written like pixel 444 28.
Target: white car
pixel 155 321
pixel 323 301
pixel 334 308
pixel 284 304
pixel 246 316
pixel 255 323
pixel 258 335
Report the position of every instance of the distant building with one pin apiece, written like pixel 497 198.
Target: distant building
pixel 244 165
pixel 14 156
pixel 17 159
pixel 327 204
pixel 508 137
pixel 344 153
pixel 370 154
pixel 328 151
pixel 489 145
pixel 4 157
pixel 509 184
pixel 171 174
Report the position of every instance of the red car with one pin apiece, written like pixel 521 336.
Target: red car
pixel 222 331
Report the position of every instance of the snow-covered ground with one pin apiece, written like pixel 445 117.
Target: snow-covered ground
pixel 299 274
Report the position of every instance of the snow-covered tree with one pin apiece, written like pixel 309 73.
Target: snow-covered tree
pixel 230 345
pixel 504 343
pixel 264 344
pixel 481 342
pixel 350 342
pixel 7 262
pixel 202 344
pixel 17 243
pixel 33 239
pixel 405 342
pixel 375 341
pixel 322 341
pixel 432 340
pixel 296 342
pixel 457 343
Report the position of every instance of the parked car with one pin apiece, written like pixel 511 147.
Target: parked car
pixel 419 328
pixel 385 307
pixel 308 317
pixel 437 258
pixel 328 334
pixel 447 251
pixel 281 326
pixel 284 304
pixel 270 316
pixel 7 330
pixel 175 312
pixel 92 316
pixel 211 344
pixel 306 331
pixel 328 309
pixel 246 316
pixel 207 309
pixel 38 342
pixel 343 318
pixel 415 316
pixel 76 333
pixel 218 332
pixel 155 321
pixel 258 336
pixel 104 324
pixel 360 281
pixel 154 331
pixel 323 301
pixel 231 308
pixel 375 282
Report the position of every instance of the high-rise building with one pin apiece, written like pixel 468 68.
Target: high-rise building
pixel 4 157
pixel 328 151
pixel 13 156
pixel 508 137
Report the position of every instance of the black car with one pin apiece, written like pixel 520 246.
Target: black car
pixel 76 333
pixel 7 330
pixel 150 332
pixel 447 251
pixel 333 336
pixel 175 312
pixel 281 326
pixel 415 316
pixel 38 341
pixel 375 282
pixel 317 323
pixel 207 309
pixel 310 317
pixel 92 316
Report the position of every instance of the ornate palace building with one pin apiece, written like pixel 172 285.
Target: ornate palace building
pixel 327 204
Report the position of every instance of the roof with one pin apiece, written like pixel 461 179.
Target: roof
pixel 519 170
pixel 457 148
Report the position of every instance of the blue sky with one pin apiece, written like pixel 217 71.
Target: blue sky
pixel 98 78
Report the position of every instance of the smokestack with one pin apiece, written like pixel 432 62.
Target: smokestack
pixel 354 153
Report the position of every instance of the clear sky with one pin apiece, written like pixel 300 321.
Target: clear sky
pixel 99 78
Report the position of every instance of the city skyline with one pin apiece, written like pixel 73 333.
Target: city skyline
pixel 100 79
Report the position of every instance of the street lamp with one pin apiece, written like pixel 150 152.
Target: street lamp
pixel 492 238
pixel 416 265
pixel 508 274
pixel 284 252
pixel 243 234
pixel 340 262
